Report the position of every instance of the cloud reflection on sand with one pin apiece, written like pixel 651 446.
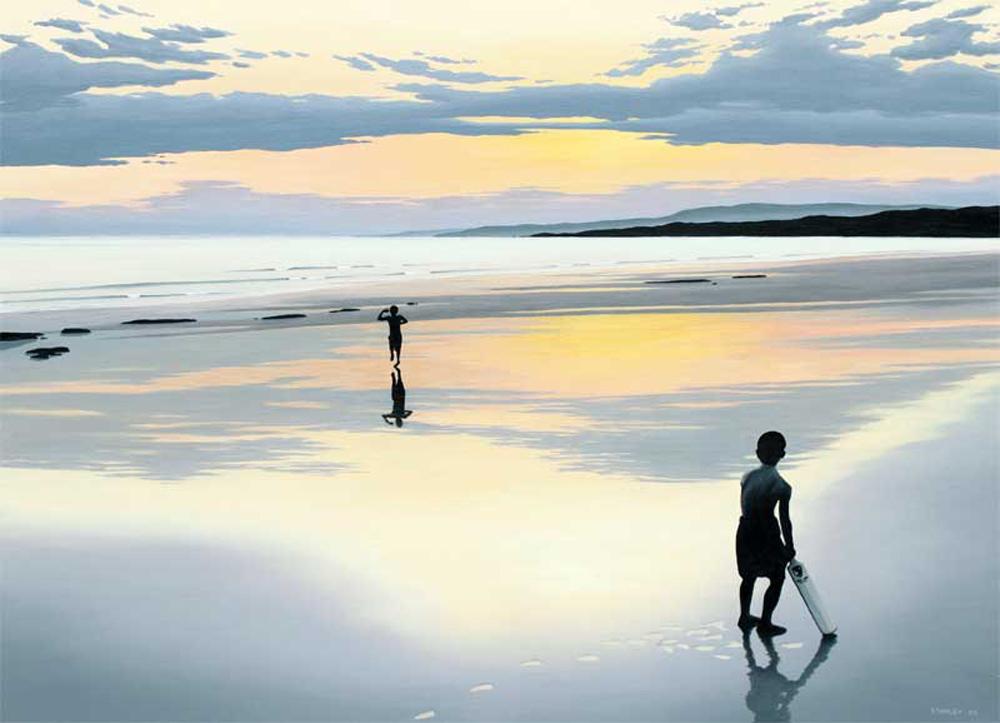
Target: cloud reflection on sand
pixel 646 351
pixel 540 544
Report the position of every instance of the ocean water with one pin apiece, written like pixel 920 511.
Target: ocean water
pixel 108 272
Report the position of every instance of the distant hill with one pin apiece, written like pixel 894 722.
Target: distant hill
pixel 969 222
pixel 739 212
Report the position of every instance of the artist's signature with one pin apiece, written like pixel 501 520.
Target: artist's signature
pixel 945 712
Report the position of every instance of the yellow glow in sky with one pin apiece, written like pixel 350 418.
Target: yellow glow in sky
pixel 432 165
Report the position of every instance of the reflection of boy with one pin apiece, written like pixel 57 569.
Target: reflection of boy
pixel 760 551
pixel 770 692
pixel 399 410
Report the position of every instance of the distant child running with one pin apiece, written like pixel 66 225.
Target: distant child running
pixel 760 551
pixel 395 321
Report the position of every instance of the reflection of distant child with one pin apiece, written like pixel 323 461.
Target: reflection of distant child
pixel 395 320
pixel 760 551
pixel 399 410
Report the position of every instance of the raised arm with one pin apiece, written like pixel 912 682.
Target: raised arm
pixel 382 314
pixel 786 522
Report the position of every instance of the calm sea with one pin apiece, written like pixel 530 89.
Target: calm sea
pixel 82 272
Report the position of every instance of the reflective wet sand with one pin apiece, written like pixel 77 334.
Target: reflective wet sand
pixel 216 523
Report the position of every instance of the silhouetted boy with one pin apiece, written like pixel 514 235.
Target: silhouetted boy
pixel 760 551
pixel 395 321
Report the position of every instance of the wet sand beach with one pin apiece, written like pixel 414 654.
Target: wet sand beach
pixel 212 520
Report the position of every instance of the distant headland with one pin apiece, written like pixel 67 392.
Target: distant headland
pixel 968 222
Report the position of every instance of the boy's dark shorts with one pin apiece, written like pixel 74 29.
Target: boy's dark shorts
pixel 759 549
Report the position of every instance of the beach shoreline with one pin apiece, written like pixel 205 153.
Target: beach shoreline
pixel 557 509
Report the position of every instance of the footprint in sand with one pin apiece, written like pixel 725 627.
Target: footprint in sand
pixel 699 632
pixel 533 663
pixel 724 657
pixel 704 648
pixel 791 646
pixel 588 659
pixel 426 715
pixel 481 688
pixel 733 644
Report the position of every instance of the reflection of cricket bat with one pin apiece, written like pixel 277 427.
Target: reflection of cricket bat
pixel 810 596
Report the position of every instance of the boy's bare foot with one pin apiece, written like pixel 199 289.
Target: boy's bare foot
pixel 746 623
pixel 769 630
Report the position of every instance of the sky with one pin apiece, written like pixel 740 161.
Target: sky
pixel 369 117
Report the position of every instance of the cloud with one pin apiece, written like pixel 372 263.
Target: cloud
pixel 133 11
pixel 73 26
pixel 872 10
pixel 281 53
pixel 86 3
pixel 826 80
pixel 252 54
pixel 35 78
pixel 446 60
pixel 186 33
pixel 422 68
pixel 699 21
pixel 228 208
pixel 868 128
pixel 967 12
pixel 732 10
pixel 832 97
pixel 667 52
pixel 101 128
pixel 108 10
pixel 120 45
pixel 356 63
pixel 941 38
pixel 793 23
pixel 238 64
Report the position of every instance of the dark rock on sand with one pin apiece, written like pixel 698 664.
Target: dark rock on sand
pixel 283 316
pixel 20 335
pixel 75 330
pixel 160 321
pixel 411 303
pixel 346 308
pixel 680 281
pixel 44 352
pixel 750 276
